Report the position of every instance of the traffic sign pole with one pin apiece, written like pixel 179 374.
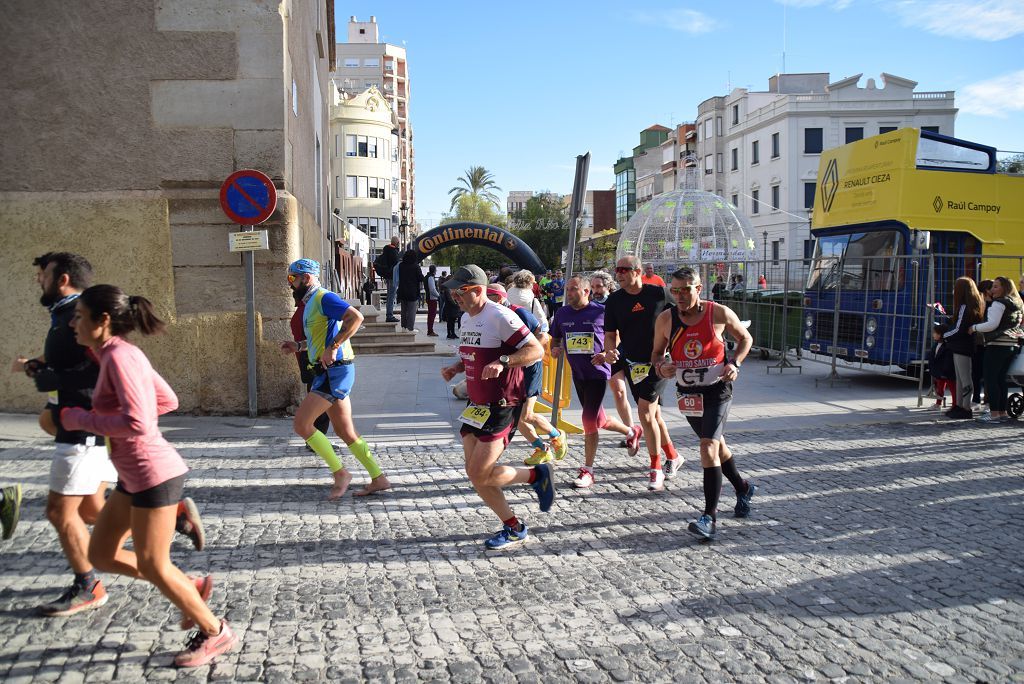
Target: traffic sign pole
pixel 249 198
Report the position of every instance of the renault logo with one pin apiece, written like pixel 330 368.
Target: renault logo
pixel 937 204
pixel 829 185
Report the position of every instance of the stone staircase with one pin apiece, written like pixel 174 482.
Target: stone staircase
pixel 377 337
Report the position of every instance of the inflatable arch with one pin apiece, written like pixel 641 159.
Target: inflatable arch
pixel 468 232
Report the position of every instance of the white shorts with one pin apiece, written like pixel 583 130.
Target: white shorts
pixel 78 470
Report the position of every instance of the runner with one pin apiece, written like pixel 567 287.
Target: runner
pixel 495 347
pixel 126 403
pixel 628 339
pixel 601 285
pixel 530 423
pixel 329 322
pixel 579 329
pixel 692 333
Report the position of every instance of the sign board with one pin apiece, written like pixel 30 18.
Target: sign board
pixel 248 197
pixel 248 241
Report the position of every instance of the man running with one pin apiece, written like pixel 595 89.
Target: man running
pixel 530 423
pixel 494 348
pixel 601 285
pixel 692 333
pixel 329 322
pixel 578 328
pixel 628 339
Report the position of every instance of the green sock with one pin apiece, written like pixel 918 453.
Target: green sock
pixel 361 451
pixel 319 443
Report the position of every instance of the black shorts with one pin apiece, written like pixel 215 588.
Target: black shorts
pixel 649 389
pixel 717 400
pixel 167 493
pixel 497 426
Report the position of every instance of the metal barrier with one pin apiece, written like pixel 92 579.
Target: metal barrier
pixel 546 401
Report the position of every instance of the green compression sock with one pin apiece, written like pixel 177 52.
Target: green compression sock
pixel 361 451
pixel 319 443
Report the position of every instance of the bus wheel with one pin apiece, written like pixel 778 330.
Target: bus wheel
pixel 1015 405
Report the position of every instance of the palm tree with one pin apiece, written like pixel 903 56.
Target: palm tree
pixel 477 181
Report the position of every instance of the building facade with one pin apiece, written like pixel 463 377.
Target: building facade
pixel 638 177
pixel 760 150
pixel 119 155
pixel 680 144
pixel 365 62
pixel 365 167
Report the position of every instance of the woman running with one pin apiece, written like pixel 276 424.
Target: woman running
pixel 128 398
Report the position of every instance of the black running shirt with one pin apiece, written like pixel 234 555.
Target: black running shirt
pixel 633 316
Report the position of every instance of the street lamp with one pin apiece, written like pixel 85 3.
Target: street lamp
pixel 403 227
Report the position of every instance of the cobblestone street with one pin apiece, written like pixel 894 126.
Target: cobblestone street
pixel 875 552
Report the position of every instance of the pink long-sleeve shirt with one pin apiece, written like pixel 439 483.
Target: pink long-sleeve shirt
pixel 126 403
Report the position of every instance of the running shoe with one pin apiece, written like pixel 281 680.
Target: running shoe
pixel 560 445
pixel 76 599
pixel 657 480
pixel 10 510
pixel 544 485
pixel 201 648
pixel 633 439
pixel 204 585
pixel 190 524
pixel 674 464
pixel 703 527
pixel 742 509
pixel 540 455
pixel 585 480
pixel 990 419
pixel 506 537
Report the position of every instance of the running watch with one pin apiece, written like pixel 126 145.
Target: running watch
pixel 504 360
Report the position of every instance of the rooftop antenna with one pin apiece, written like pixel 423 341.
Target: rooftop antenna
pixel 784 37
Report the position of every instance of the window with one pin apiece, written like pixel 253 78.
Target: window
pixel 812 141
pixel 707 129
pixel 361 146
pixel 775 251
pixel 374 228
pixel 371 61
pixel 775 196
pixel 735 199
pixel 295 98
pixel 755 155
pixel 338 189
pixel 351 187
pixel 775 146
pixel 808 250
pixel 755 203
pixel 886 129
pixel 854 133
pixel 362 186
pixel 350 145
pixel 735 114
pixel 930 129
pixel 351 62
pixel 734 155
pixel 364 224
pixel 718 125
pixel 709 165
pixel 373 183
pixel 809 189
pixel 371 147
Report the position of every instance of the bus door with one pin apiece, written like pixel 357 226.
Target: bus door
pixel 956 255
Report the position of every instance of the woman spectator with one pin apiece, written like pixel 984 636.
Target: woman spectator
pixel 970 310
pixel 128 398
pixel 410 283
pixel 521 294
pixel 1003 334
pixel 977 360
pixel 433 296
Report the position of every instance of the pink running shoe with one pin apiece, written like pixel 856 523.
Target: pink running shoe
pixel 201 648
pixel 633 440
pixel 204 585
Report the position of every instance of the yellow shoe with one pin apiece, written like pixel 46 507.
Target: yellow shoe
pixel 560 445
pixel 539 455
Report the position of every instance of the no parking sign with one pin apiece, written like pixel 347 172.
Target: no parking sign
pixel 248 197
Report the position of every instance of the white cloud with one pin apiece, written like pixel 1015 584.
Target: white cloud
pixel 836 4
pixel 682 20
pixel 995 97
pixel 986 20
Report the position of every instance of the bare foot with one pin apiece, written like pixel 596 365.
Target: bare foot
pixel 342 479
pixel 377 484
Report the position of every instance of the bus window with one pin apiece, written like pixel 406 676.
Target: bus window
pixel 946 155
pixel 870 263
pixel 828 251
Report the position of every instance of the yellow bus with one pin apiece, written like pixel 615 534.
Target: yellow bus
pixel 897 218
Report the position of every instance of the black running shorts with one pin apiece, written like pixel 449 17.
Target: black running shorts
pixel 717 400
pixel 497 426
pixel 167 493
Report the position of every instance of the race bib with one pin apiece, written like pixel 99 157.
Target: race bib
pixel 475 416
pixel 638 372
pixel 579 343
pixel 691 405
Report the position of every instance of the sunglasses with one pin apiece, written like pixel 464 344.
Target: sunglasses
pixel 292 277
pixel 458 292
pixel 625 269
pixel 683 288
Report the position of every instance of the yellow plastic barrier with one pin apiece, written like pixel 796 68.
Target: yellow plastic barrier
pixel 547 390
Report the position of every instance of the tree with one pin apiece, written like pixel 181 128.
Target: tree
pixel 472 208
pixel 543 224
pixel 1012 164
pixel 476 182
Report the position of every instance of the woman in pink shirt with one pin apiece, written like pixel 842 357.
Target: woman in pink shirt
pixel 128 398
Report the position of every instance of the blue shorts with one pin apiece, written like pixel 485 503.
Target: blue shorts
pixel 334 383
pixel 532 376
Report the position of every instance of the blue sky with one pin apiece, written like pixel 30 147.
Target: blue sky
pixel 522 88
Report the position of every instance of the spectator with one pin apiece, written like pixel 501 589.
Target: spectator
pixel 432 298
pixel 649 277
pixel 521 294
pixel 978 359
pixel 1003 336
pixel 367 291
pixel 940 366
pixel 410 282
pixel 762 282
pixel 718 288
pixel 385 265
pixel 969 310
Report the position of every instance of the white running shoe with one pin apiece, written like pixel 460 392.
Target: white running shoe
pixel 674 464
pixel 585 479
pixel 657 482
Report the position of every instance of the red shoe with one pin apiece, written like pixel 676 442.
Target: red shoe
pixel 204 585
pixel 201 648
pixel 633 440
pixel 190 524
